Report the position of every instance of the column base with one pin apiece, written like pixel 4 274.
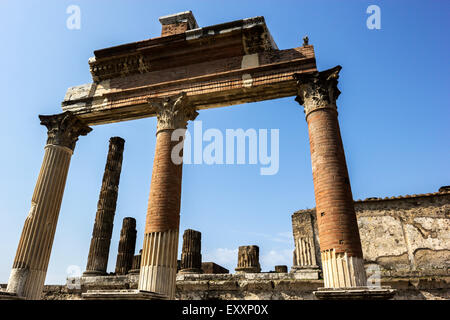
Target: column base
pixel 306 272
pixel 9 296
pixel 134 271
pixel 94 273
pixel 248 270
pixel 122 295
pixel 191 271
pixel 355 293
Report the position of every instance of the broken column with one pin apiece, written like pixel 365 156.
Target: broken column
pixel 160 249
pixel 281 269
pixel 106 209
pixel 127 245
pixel 340 244
pixel 248 260
pixel 305 253
pixel 136 265
pixel 191 258
pixel 33 253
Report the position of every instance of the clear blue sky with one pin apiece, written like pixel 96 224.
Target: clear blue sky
pixel 393 110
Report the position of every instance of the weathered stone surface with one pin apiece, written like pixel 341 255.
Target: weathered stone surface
pixel 267 286
pixel 212 268
pixel 248 259
pixel 211 64
pixel 127 246
pixel 403 236
pixel 106 209
pixel 191 257
pixel 281 269
pixel 136 265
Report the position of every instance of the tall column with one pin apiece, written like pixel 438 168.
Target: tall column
pixel 106 209
pixel 340 244
pixel 33 253
pixel 248 260
pixel 159 253
pixel 191 257
pixel 127 245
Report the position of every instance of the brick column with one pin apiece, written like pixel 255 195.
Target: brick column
pixel 106 209
pixel 127 245
pixel 248 260
pixel 159 252
pixel 191 257
pixel 33 253
pixel 340 244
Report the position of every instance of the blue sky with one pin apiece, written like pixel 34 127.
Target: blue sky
pixel 393 111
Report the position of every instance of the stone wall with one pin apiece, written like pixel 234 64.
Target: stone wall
pixel 256 286
pixel 403 236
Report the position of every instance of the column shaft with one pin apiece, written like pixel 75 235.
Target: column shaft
pixel 106 209
pixel 160 249
pixel 127 246
pixel 33 253
pixel 191 257
pixel 340 244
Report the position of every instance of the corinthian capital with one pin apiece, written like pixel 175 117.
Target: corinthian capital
pixel 173 112
pixel 64 129
pixel 318 90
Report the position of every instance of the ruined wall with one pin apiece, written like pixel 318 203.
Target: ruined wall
pixel 404 236
pixel 256 286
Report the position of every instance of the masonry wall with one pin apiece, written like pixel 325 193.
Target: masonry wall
pixel 261 286
pixel 404 236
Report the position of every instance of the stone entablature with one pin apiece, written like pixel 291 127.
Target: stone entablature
pixel 220 65
pixel 407 235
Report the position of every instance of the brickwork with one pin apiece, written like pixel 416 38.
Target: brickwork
pixel 340 244
pixel 159 252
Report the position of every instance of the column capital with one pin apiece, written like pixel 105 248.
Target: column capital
pixel 318 90
pixel 173 112
pixel 64 129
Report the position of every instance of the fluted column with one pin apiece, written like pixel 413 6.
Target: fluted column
pixel 248 260
pixel 33 253
pixel 340 244
pixel 136 265
pixel 305 248
pixel 106 209
pixel 191 257
pixel 127 245
pixel 159 253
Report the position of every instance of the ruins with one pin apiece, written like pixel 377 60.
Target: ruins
pixel 127 246
pixel 172 77
pixel 106 209
pixel 191 257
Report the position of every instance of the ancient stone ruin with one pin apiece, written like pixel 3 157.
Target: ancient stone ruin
pixel 337 246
